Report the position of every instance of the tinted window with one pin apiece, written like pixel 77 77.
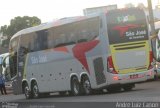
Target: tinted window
pixel 126 26
pixel 27 43
pixel 41 40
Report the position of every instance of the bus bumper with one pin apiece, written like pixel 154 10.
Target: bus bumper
pixel 131 77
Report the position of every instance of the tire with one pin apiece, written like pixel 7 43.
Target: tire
pixel 113 89
pixel 62 93
pixel 86 86
pixel 128 87
pixel 75 87
pixel 27 92
pixel 35 90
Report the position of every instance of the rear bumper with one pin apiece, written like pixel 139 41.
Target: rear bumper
pixel 126 78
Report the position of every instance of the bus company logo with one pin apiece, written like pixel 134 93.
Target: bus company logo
pixel 123 29
pixel 128 18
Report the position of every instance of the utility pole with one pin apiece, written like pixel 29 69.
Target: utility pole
pixel 151 17
pixel 151 22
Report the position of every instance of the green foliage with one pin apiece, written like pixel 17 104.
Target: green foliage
pixel 19 23
pixel 3 29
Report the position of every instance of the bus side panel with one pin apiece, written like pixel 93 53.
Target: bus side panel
pixel 53 69
pixel 97 66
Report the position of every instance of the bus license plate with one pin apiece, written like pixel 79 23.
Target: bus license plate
pixel 133 76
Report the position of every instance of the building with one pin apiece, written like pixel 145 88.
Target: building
pixel 96 10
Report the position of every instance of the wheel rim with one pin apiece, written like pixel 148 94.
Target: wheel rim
pixel 87 86
pixel 76 88
pixel 27 91
pixel 35 91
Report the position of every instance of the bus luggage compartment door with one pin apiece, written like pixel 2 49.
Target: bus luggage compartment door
pixel 99 70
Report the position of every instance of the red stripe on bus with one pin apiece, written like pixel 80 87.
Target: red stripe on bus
pixel 80 49
pixel 62 49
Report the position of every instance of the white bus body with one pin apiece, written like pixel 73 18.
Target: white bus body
pixel 81 54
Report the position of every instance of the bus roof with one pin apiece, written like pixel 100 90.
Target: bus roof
pixel 44 26
pixel 62 21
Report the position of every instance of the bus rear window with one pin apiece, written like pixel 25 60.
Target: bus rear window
pixel 126 25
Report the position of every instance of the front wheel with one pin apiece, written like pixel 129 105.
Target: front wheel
pixel 27 92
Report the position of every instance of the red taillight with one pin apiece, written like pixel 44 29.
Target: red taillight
pixel 150 60
pixel 110 65
pixel 115 78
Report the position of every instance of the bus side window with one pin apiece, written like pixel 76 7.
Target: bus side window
pixel 94 25
pixel 51 40
pixel 81 31
pixel 70 32
pixel 41 40
pixel 24 45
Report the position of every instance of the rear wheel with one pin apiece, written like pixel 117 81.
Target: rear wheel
pixel 128 87
pixel 86 86
pixel 62 93
pixel 75 86
pixel 113 89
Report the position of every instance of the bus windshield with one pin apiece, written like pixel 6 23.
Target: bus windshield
pixel 126 25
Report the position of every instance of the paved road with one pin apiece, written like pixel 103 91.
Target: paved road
pixel 143 92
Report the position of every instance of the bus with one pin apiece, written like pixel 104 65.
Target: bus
pixel 5 70
pixel 81 54
pixel 4 65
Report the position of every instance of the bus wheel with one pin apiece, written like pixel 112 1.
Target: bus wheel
pixel 62 93
pixel 86 86
pixel 113 89
pixel 128 87
pixel 27 92
pixel 35 90
pixel 75 86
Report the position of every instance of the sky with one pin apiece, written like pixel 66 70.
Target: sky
pixel 49 10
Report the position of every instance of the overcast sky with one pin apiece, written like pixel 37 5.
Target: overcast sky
pixel 48 10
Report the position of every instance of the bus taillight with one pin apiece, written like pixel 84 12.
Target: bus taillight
pixel 150 60
pixel 111 66
pixel 115 78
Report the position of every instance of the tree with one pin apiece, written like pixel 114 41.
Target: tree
pixel 3 30
pixel 19 23
pixel 141 5
pixel 129 5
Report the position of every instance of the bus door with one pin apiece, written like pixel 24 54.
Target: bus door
pixel 13 62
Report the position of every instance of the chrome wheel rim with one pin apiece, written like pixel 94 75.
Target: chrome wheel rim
pixel 27 91
pixel 35 91
pixel 87 86
pixel 75 88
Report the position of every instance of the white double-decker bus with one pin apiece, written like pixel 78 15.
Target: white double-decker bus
pixel 78 55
